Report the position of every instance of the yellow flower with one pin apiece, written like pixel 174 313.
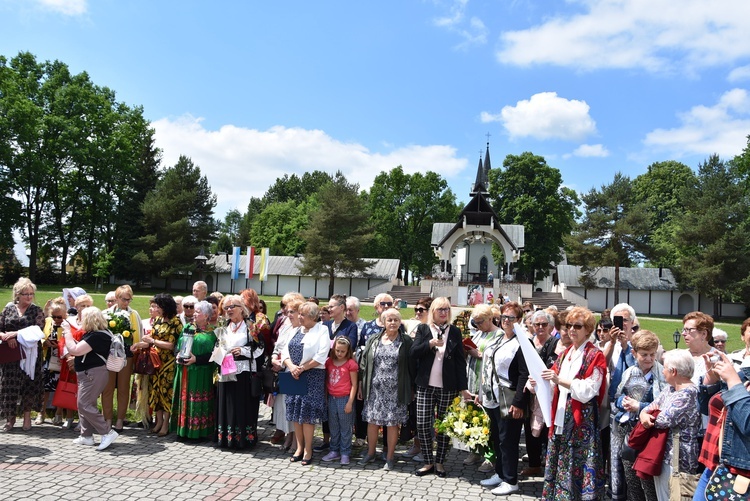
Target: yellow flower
pixel 112 323
pixel 457 400
pixel 125 333
pixel 475 420
pixel 467 432
pixel 485 431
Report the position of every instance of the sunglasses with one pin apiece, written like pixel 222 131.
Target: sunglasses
pixel 574 326
pixel 541 324
pixel 60 317
pixel 386 304
pixel 419 309
pixel 507 318
pixel 188 306
pixel 443 310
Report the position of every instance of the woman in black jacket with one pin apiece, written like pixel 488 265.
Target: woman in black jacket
pixel 441 374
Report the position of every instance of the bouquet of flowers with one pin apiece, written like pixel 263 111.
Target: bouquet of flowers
pixel 467 423
pixel 119 323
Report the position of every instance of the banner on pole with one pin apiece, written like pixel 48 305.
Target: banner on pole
pixel 236 263
pixel 264 264
pixel 250 263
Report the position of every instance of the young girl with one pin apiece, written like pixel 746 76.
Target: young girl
pixel 341 386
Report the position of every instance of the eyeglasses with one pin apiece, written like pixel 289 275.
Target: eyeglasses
pixel 419 309
pixel 443 310
pixel 576 327
pixel 188 306
pixel 690 330
pixel 635 328
pixel 479 321
pixel 231 306
pixel 541 324
pixel 507 318
pixel 126 299
pixel 720 341
pixel 60 317
pixel 386 304
pixel 27 294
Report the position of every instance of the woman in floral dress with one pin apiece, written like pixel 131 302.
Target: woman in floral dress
pixel 193 402
pixel 166 330
pixel 387 373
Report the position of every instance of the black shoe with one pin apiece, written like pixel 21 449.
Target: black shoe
pixel 422 471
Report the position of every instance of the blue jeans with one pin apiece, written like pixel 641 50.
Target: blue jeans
pixel 341 425
pixel 700 491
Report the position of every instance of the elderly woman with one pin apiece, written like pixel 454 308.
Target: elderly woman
pixel 287 325
pixel 485 333
pixel 382 302
pixel 237 416
pixel 640 385
pixel 678 406
pixel 163 337
pixel 16 382
pixel 742 356
pixel 91 368
pixel 193 406
pixel 697 330
pixel 724 395
pixel 305 356
pixel 542 323
pixel 441 375
pixel 72 326
pixel 575 463
pixel 121 380
pixel 504 373
pixel 386 375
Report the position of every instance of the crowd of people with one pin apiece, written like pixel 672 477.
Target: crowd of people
pixel 605 410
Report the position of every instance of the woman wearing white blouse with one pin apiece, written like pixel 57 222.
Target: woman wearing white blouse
pixel 307 352
pixel 575 463
pixel 237 416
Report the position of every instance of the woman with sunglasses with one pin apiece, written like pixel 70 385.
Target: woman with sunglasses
pixel 575 462
pixel 441 374
pixel 420 317
pixel 505 366
pixel 382 302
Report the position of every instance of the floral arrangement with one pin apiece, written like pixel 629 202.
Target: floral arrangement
pixel 119 323
pixel 468 423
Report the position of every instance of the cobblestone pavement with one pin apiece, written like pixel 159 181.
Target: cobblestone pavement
pixel 43 464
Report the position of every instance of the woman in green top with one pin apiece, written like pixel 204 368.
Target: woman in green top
pixel 193 410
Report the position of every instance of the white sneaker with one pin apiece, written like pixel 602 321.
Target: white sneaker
pixel 472 458
pixel 504 489
pixel 493 481
pixel 107 440
pixel 84 440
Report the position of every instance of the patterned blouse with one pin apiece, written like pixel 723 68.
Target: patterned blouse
pixel 679 411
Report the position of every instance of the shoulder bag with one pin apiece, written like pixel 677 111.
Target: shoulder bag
pixel 723 484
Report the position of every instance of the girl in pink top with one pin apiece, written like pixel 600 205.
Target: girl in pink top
pixel 341 386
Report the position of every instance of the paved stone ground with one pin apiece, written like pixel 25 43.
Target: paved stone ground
pixel 43 464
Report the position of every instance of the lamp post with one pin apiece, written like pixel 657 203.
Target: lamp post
pixel 676 338
pixel 200 263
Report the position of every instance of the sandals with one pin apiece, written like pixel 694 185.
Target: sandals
pixel 306 462
pixel 295 459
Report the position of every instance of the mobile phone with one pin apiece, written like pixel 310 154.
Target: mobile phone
pixel 618 321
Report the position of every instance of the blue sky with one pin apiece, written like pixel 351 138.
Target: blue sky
pixel 255 90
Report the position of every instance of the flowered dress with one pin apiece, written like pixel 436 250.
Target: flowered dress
pixel 575 464
pixel 309 408
pixel 382 407
pixel 160 394
pixel 193 404
pixel 51 377
pixel 14 383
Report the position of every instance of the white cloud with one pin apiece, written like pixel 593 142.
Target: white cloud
pixel 657 35
pixel 591 150
pixel 66 7
pixel 240 163
pixel 706 130
pixel 739 74
pixel 545 116
pixel 473 31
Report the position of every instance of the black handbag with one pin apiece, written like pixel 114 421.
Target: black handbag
pixel 270 380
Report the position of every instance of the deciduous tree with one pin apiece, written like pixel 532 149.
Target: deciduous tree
pixel 338 233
